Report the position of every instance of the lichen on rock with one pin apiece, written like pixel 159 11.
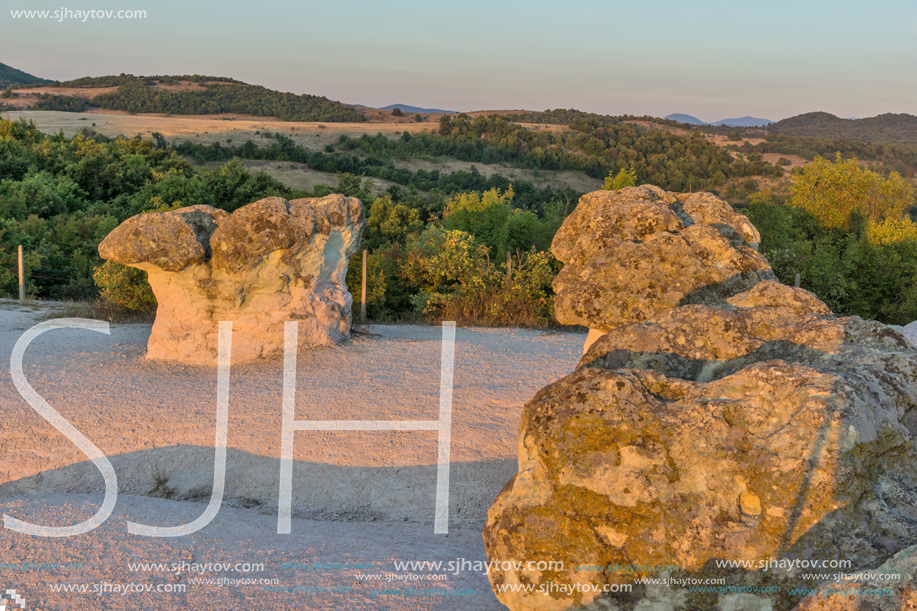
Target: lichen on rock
pixel 748 426
pixel 266 263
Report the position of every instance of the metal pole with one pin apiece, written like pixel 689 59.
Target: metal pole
pixel 363 292
pixel 798 278
pixel 21 277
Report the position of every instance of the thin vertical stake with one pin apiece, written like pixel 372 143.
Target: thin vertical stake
pixel 21 277
pixel 509 267
pixel 798 278
pixel 363 292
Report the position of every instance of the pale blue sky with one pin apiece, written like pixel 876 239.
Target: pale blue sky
pixel 710 59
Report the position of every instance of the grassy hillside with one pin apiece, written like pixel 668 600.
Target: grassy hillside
pixel 11 77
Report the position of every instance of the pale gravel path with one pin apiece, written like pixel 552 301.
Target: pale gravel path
pixel 358 496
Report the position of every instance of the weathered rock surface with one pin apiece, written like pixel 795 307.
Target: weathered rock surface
pixel 266 263
pixel 747 428
pixel 631 254
pixel 910 332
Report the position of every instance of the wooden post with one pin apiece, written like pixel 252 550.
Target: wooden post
pixel 798 278
pixel 509 267
pixel 363 291
pixel 21 277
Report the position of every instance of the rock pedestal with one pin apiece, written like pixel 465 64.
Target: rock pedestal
pixel 266 263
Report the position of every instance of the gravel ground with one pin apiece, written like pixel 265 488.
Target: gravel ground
pixel 358 497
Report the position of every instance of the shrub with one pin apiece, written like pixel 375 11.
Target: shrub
pixel 624 178
pixel 124 286
pixel 835 193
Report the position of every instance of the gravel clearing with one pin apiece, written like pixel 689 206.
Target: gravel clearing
pixel 358 497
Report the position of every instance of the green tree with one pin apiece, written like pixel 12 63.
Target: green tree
pixel 396 112
pixel 624 178
pixel 836 193
pixel 484 216
pixel 389 222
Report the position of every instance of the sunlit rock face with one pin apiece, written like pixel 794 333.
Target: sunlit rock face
pixel 634 253
pixel 745 425
pixel 266 263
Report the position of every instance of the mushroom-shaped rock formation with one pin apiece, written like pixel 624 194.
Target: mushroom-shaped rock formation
pixel 266 263
pixel 747 426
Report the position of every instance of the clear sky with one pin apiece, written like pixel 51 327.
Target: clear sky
pixel 710 59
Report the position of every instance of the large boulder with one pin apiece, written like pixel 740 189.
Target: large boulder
pixel 266 263
pixel 750 427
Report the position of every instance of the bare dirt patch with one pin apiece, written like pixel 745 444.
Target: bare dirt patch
pixel 795 160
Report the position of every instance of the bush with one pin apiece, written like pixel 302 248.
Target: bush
pixel 525 300
pixel 624 178
pixel 836 193
pixel 397 112
pixel 124 286
pixel 868 271
pixel 892 231
pixel 784 161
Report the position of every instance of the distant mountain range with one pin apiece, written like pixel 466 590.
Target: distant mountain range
pixel 10 77
pixel 409 108
pixel 740 122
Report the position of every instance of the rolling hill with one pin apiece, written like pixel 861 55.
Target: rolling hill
pixel 11 77
pixel 408 108
pixel 883 128
pixel 191 95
